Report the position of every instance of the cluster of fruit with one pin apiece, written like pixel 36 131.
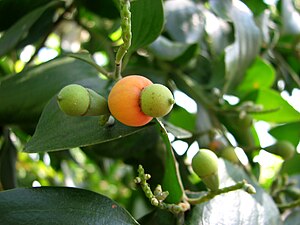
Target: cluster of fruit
pixel 134 101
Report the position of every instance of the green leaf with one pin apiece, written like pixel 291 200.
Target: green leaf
pixel 260 75
pixel 280 110
pixel 293 218
pixel 240 54
pixel 24 95
pixel 20 29
pixel 147 19
pixel 60 205
pixel 171 179
pixel 291 166
pixel 289 132
pixel 58 131
pixel 183 21
pixel 180 117
pixel 8 157
pixel 237 207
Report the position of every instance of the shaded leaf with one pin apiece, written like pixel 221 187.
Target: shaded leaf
pixel 60 205
pixel 289 132
pixel 236 207
pixel 158 217
pixel 58 131
pixel 147 18
pixel 24 95
pixel 20 29
pixel 240 54
pixel 184 22
pixel 171 179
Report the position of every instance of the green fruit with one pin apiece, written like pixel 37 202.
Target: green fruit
pixel 229 154
pixel 156 100
pixel 282 148
pixel 75 100
pixel 205 165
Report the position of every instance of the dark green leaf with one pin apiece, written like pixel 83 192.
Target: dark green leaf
pixel 289 132
pixel 236 207
pixel 8 156
pixel 20 29
pixel 260 75
pixel 171 180
pixel 280 110
pixel 60 205
pixel 147 20
pixel 57 131
pixel 257 7
pixel 24 95
pixel 183 21
pixel 291 166
pixel 158 217
pixel 240 54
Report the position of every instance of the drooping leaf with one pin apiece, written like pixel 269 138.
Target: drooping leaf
pixel 240 54
pixel 60 205
pixel 184 22
pixel 289 132
pixel 24 95
pixel 171 179
pixel 58 131
pixel 147 19
pixel 280 111
pixel 20 29
pixel 237 207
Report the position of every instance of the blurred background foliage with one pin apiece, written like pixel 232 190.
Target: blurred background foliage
pixel 233 66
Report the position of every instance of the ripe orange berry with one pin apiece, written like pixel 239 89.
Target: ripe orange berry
pixel 124 100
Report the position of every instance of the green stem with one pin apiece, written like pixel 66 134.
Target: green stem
pixel 240 185
pixel 126 36
pixel 289 205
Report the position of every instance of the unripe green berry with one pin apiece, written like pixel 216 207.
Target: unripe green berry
pixel 156 100
pixel 75 100
pixel 229 154
pixel 285 149
pixel 205 165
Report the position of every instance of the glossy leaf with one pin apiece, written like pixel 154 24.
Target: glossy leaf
pixel 171 179
pixel 58 131
pixel 184 22
pixel 237 207
pixel 289 132
pixel 24 95
pixel 60 205
pixel 280 110
pixel 260 75
pixel 240 54
pixel 290 18
pixel 147 19
pixel 20 29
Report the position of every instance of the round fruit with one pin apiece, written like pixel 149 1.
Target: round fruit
pixel 156 100
pixel 135 100
pixel 75 100
pixel 205 165
pixel 285 149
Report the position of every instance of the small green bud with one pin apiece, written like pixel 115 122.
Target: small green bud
pixel 205 165
pixel 154 201
pixel 156 100
pixel 282 148
pixel 75 100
